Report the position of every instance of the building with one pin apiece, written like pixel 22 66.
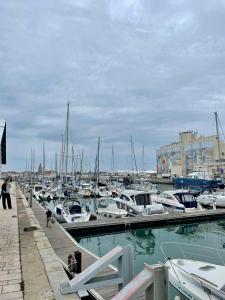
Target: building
pixel 3 143
pixel 191 152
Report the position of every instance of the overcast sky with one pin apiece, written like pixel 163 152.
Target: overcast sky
pixel 144 68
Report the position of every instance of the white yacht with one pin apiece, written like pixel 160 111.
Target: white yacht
pixel 85 190
pixel 108 208
pixel 138 203
pixel 196 279
pixel 40 193
pixel 177 200
pixel 71 213
pixel 102 192
pixel 216 199
pixel 197 272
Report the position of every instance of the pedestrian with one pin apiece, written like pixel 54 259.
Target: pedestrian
pixel 72 263
pixel 6 194
pixel 49 218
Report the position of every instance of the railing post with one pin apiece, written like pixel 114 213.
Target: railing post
pixel 159 289
pixel 126 265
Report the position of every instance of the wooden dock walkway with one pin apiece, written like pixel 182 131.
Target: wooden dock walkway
pixel 63 244
pixel 112 225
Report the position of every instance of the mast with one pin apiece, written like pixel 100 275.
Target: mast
pixel 97 163
pixel 56 165
pixel 67 136
pixel 217 135
pixel 73 163
pixel 43 163
pixel 143 158
pixel 133 157
pixel 113 161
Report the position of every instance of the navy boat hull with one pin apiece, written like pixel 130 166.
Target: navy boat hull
pixel 196 183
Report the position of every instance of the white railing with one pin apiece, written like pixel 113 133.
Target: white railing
pixel 152 281
pixel 88 278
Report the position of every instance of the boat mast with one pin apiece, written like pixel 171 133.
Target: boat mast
pixel 133 157
pixel 67 136
pixel 56 165
pixel 113 161
pixel 217 135
pixel 62 158
pixel 73 164
pixel 43 162
pixel 97 163
pixel 143 158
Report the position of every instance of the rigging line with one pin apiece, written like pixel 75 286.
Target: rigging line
pixel 174 270
pixel 207 293
pixel 221 128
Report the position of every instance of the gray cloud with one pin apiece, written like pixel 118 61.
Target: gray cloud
pixel 134 67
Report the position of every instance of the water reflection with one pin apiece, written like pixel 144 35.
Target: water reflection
pixel 187 230
pixel 144 242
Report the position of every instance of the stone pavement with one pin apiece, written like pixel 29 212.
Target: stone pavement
pixel 29 267
pixel 11 286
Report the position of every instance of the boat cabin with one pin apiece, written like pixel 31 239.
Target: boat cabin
pixel 185 197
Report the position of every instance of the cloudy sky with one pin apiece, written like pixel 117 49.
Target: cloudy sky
pixel 128 67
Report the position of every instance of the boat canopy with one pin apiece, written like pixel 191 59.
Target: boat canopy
pixel 75 209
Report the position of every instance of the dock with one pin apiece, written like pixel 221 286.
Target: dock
pixel 153 221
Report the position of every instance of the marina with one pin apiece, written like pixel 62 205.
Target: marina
pixel 112 150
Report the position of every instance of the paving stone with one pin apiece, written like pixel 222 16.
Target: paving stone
pixel 11 296
pixel 11 288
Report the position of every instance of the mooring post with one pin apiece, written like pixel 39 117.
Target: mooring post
pixel 159 289
pixel 31 195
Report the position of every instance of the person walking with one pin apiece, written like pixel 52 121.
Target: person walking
pixel 6 194
pixel 49 218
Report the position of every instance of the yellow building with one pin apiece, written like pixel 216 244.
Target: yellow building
pixel 192 152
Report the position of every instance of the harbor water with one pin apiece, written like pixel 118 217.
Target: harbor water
pixel 147 242
pixel 150 245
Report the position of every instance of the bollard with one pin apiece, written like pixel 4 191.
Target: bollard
pixel 78 257
pixel 31 195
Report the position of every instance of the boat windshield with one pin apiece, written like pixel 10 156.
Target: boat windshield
pixel 143 199
pixel 184 197
pixel 37 188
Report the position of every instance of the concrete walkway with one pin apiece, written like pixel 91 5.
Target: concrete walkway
pixel 29 267
pixel 11 286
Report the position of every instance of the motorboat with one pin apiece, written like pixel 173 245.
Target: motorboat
pixel 102 192
pixel 216 199
pixel 177 200
pixel 197 272
pixel 152 189
pixel 107 207
pixel 85 190
pixel 40 193
pixel 197 183
pixel 71 213
pixel 138 203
